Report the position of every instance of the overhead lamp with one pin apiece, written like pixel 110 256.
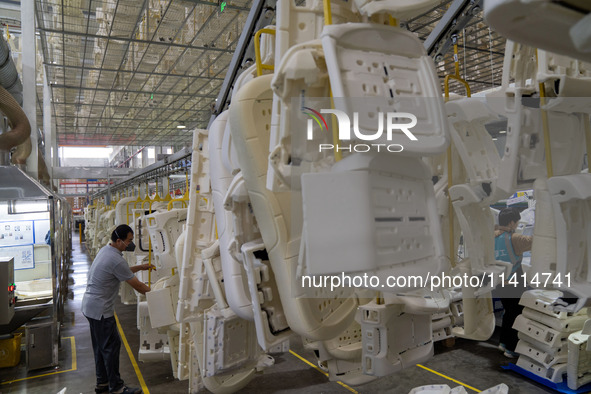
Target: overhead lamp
pixel 503 132
pixel 181 126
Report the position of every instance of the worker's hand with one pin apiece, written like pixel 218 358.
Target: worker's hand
pixel 147 266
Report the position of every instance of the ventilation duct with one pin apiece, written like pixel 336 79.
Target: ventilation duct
pixel 21 128
pixel 8 74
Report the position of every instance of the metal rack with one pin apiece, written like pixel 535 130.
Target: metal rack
pixel 262 13
pixel 179 162
pixel 44 312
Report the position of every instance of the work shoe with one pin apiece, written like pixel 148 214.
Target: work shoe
pixel 101 388
pixel 510 354
pixel 128 390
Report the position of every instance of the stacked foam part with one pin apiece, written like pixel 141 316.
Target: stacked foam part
pixel 543 345
pixel 579 357
pixel 441 325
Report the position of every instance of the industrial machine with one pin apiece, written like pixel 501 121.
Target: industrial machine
pixel 7 282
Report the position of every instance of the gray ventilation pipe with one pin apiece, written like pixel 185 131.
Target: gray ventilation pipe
pixel 8 75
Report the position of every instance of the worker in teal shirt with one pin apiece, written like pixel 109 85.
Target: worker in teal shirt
pixel 509 247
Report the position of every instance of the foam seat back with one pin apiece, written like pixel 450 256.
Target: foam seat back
pixel 471 199
pixel 561 239
pixel 301 23
pixel 236 226
pixel 195 292
pixel 438 167
pixel 571 204
pixel 467 119
pixel 296 25
pixel 278 219
pixel 207 355
pixel 569 80
pixel 96 236
pixel 401 9
pixel 141 235
pixel 392 226
pixel 164 228
pixel 299 81
pixel 121 216
pixel 477 223
pixel 389 70
pixel 223 168
pixel 545 24
pixel 221 178
pixel 524 158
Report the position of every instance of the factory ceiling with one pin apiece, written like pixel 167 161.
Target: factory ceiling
pixel 128 72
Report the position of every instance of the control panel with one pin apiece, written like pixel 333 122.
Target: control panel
pixel 7 282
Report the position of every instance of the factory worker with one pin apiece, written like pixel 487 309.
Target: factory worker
pixel 108 269
pixel 510 247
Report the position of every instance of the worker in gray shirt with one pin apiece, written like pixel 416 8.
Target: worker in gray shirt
pixel 107 271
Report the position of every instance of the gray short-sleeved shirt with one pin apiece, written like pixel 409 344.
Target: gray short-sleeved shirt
pixel 108 269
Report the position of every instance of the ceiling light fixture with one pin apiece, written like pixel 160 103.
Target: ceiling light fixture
pixel 181 126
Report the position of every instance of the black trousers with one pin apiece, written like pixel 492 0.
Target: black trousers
pixel 106 344
pixel 512 310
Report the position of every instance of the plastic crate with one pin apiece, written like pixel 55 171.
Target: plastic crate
pixel 10 351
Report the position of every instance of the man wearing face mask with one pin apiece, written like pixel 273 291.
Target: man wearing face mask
pixel 108 269
pixel 509 247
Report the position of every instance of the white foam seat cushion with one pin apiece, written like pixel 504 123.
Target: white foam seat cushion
pixel 316 318
pixel 389 68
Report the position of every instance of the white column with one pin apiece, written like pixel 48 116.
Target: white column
pixel 145 157
pixel 165 182
pixel 29 75
pixel 56 159
pixel 47 126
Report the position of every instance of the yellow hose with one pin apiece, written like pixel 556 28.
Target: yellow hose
pixel 456 76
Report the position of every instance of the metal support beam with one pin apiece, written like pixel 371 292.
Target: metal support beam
pixel 147 93
pixel 261 14
pixel 152 172
pixel 90 172
pixel 217 4
pixel 64 195
pixel 454 20
pixel 122 71
pixel 29 57
pixel 47 126
pixel 130 40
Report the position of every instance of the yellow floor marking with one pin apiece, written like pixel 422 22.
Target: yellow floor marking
pixel 448 378
pixel 131 357
pixel 74 365
pixel 322 372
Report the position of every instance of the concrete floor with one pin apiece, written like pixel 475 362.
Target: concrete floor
pixel 475 364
